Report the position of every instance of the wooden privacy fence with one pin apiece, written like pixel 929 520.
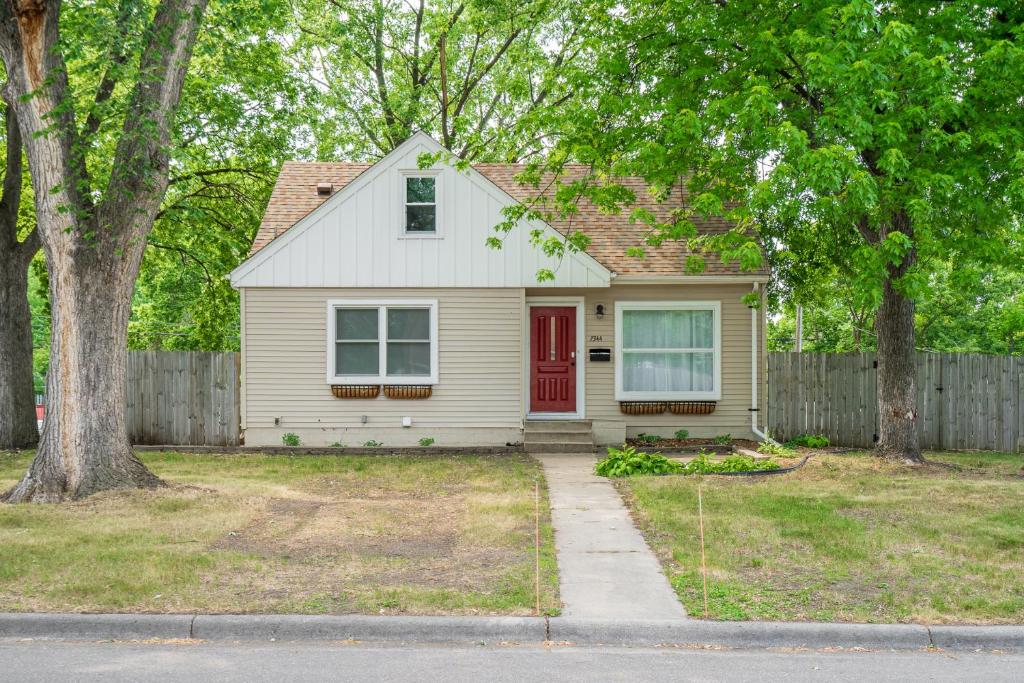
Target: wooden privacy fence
pixel 183 398
pixel 964 401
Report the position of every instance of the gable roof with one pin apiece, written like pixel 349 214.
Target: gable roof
pixel 295 196
pixel 354 236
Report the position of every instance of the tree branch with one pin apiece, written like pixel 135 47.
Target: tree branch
pixel 184 253
pixel 142 156
pixel 118 55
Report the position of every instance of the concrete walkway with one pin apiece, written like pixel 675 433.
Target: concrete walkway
pixel 606 569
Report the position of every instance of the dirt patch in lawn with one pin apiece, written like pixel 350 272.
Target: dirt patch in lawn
pixel 253 533
pixel 409 540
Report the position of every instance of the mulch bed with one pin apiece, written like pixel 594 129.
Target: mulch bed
pixel 693 444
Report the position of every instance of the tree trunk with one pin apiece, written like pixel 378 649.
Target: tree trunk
pixel 84 446
pixel 897 369
pixel 93 248
pixel 17 390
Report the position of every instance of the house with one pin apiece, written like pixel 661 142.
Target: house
pixel 373 309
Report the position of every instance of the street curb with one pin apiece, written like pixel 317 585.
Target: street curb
pixel 740 634
pixel 370 628
pixel 490 630
pixel 95 626
pixel 1009 638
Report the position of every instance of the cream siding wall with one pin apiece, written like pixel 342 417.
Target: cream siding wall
pixel 477 400
pixel 732 414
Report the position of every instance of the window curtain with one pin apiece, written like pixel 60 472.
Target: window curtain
pixel 645 369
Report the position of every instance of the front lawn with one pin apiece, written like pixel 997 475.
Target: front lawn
pixel 846 538
pixel 256 533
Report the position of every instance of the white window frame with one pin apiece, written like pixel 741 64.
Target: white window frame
pixel 714 306
pixel 381 305
pixel 403 177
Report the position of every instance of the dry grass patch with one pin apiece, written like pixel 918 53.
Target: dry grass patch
pixel 847 538
pixel 253 533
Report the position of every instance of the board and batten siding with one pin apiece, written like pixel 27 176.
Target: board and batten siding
pixel 356 238
pixel 732 414
pixel 478 399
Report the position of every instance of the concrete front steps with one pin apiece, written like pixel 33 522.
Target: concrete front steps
pixel 558 436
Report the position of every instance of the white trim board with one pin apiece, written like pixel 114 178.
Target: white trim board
pixel 579 303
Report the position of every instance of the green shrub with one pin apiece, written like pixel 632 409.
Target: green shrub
pixel 426 441
pixel 809 441
pixel 627 461
pixel 290 439
pixel 336 444
pixel 777 450
pixel 372 444
pixel 682 434
pixel 648 438
pixel 702 464
pixel 723 439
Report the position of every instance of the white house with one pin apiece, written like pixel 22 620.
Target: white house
pixel 373 309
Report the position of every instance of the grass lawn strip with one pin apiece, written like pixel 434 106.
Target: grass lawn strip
pixel 312 535
pixel 846 538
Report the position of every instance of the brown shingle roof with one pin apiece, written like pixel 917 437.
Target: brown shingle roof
pixel 295 195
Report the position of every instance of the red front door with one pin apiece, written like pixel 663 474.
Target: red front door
pixel 552 359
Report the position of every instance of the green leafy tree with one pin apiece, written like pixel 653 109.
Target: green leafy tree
pixel 965 308
pixel 468 73
pixel 873 140
pixel 241 114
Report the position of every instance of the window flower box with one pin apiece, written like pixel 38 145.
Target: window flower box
pixel 408 390
pixel 642 407
pixel 355 390
pixel 692 407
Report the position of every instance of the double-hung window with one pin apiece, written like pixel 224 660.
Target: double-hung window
pixel 386 341
pixel 420 205
pixel 668 351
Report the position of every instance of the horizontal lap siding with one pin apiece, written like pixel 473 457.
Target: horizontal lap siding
pixel 732 412
pixel 479 360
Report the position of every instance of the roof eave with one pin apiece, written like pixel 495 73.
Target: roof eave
pixel 644 279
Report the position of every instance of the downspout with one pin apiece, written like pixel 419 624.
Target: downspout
pixel 754 408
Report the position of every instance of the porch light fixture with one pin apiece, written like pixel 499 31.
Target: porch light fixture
pixel 600 311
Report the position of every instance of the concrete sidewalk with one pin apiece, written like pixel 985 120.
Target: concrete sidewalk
pixel 606 570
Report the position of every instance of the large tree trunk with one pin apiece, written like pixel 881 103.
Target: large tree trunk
pixel 84 446
pixel 17 390
pixel 93 248
pixel 897 370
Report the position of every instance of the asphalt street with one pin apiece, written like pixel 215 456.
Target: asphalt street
pixel 198 661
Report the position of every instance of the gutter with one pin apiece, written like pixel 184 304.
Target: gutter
pixel 689 279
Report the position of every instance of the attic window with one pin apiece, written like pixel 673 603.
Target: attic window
pixel 420 205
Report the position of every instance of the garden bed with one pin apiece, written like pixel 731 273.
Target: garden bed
pixel 669 445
